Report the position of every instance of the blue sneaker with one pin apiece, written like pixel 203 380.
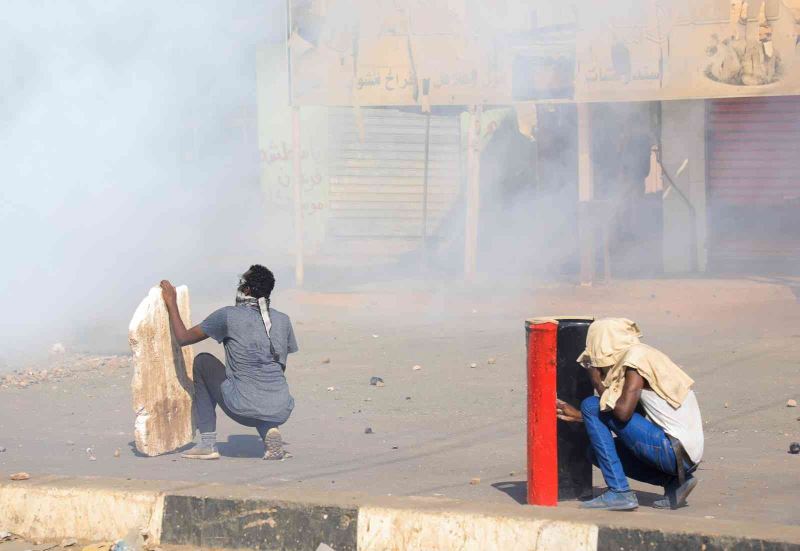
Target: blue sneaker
pixel 613 501
pixel 675 495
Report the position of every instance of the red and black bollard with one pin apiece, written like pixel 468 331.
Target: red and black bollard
pixel 558 465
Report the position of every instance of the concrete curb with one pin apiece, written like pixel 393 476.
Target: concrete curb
pixel 222 516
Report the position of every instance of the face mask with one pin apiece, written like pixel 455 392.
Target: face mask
pixel 242 298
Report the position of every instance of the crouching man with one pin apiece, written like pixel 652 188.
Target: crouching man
pixel 662 447
pixel 251 389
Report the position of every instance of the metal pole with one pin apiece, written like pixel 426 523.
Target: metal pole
pixel 473 192
pixel 607 249
pixel 585 194
pixel 297 185
pixel 425 180
pixel 542 338
pixel 289 51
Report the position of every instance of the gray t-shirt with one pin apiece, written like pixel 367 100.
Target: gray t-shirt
pixel 255 386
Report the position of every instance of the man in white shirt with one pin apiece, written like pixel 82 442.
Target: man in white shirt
pixel 662 448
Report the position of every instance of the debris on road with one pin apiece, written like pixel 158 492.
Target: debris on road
pixel 491 361
pixel 66 366
pixel 416 368
pixel 791 403
pixel 20 476
pixel 794 448
pixel 90 453
pixel 326 361
pixel 368 430
pixel 331 388
pixel 474 481
pixel 376 381
pixel 6 536
pixel 2 449
pixel 98 547
pixel 116 453
pixel 473 365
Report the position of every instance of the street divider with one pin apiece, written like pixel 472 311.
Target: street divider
pixel 50 508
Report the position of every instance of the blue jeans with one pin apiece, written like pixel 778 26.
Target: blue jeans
pixel 641 450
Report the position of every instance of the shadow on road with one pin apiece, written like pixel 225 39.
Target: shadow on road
pixel 516 490
pixel 242 445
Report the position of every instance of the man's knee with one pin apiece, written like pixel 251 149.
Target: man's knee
pixel 590 407
pixel 202 362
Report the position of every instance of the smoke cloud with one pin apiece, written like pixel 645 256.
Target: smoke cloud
pixel 127 154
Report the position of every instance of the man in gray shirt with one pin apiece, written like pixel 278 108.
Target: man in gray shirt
pixel 251 388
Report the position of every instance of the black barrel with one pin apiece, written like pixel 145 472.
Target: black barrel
pixel 572 386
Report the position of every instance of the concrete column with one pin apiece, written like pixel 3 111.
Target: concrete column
pixel 683 137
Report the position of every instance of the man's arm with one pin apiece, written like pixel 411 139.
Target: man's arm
pixel 182 335
pixel 626 403
pixel 631 392
pixel 596 376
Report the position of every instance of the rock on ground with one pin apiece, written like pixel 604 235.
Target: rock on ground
pixel 162 386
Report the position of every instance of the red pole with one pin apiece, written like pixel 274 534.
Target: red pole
pixel 542 445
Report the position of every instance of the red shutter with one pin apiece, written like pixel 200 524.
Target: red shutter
pixel 754 150
pixel 753 180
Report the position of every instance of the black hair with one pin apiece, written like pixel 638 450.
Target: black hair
pixel 259 280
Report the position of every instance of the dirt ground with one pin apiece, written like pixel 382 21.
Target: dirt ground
pixel 436 428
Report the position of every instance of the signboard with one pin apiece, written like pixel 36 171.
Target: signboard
pixel 689 49
pixel 463 52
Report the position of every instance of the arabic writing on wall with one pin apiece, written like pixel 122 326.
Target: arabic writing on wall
pixel 277 162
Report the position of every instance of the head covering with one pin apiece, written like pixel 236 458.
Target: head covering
pixel 607 341
pixel 613 345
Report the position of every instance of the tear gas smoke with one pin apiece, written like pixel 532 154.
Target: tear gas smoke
pixel 127 154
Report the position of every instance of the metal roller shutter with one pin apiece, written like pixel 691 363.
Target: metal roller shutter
pixel 754 183
pixel 755 150
pixel 377 186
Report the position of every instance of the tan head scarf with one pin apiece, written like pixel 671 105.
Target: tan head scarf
pixel 613 345
pixel 607 341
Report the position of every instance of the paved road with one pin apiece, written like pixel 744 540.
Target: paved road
pixel 439 427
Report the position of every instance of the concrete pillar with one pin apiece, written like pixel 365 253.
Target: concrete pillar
pixel 683 136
